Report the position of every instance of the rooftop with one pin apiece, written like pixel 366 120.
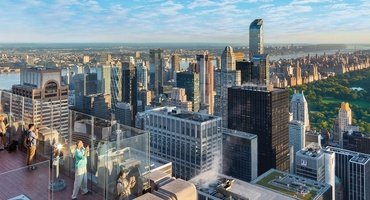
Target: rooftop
pixel 312 150
pixel 238 133
pixel 256 87
pixel 183 114
pixel 357 157
pixel 361 159
pixel 224 187
pixel 291 185
pixel 257 23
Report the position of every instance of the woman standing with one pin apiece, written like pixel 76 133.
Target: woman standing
pixel 124 185
pixel 2 132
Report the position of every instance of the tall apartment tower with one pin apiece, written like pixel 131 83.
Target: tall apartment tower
pixel 353 169
pixel 175 65
pixel 189 81
pixel 192 141
pixel 296 135
pixel 343 121
pixel 239 154
pixel 45 99
pixel 129 87
pixel 104 76
pixel 299 108
pixel 157 75
pixel 245 68
pixel 261 69
pixel 263 111
pixel 142 75
pixel 228 76
pixel 116 84
pixel 206 82
pixel 255 38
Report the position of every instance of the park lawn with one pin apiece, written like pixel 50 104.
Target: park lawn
pixel 359 103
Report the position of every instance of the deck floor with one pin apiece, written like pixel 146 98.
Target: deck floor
pixel 16 179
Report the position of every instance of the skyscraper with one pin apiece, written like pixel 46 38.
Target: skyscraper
pixel 256 38
pixel 353 169
pixel 45 99
pixel 129 87
pixel 206 82
pixel 142 74
pixel 116 83
pixel 299 108
pixel 98 105
pixel 157 75
pixel 192 141
pixel 189 81
pixel 344 120
pixel 356 141
pixel 123 113
pixel 263 111
pixel 228 76
pixel 245 68
pixel 296 135
pixel 104 76
pixel 261 69
pixel 175 65
pixel 239 151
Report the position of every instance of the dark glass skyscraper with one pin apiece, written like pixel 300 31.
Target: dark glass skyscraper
pixel 245 68
pixel 189 81
pixel 129 87
pixel 156 64
pixel 264 111
pixel 255 38
pixel 239 151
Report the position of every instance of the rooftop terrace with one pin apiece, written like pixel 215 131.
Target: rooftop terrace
pixel 225 187
pixel 291 185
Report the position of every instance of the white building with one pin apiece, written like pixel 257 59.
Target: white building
pixel 192 141
pixel 344 120
pixel 296 137
pixel 316 163
pixel 299 108
pixel 227 77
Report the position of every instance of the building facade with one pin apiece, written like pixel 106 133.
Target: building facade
pixel 190 82
pixel 206 82
pixel 157 75
pixel 353 169
pixel 245 67
pixel 296 135
pixel 261 69
pixel 192 141
pixel 45 99
pixel 299 108
pixel 356 141
pixel 263 111
pixel 228 76
pixel 239 151
pixel 129 88
pixel 256 42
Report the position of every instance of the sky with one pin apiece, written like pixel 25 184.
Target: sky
pixel 181 21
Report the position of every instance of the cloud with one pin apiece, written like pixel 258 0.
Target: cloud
pixel 170 8
pixel 175 20
pixel 301 2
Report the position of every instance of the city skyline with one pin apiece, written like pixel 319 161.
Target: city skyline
pixel 225 21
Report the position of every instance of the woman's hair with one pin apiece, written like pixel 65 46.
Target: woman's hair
pixel 121 173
